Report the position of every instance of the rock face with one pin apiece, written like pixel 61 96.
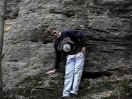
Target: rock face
pixel 12 9
pixel 29 51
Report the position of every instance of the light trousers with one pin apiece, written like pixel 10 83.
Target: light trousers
pixel 73 73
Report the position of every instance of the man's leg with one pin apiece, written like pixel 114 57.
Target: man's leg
pixel 69 71
pixel 78 72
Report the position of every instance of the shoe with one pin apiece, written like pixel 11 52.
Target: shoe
pixel 73 95
pixel 65 97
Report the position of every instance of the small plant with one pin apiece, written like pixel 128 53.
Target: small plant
pixel 121 91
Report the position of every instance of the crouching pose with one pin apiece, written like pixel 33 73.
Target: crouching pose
pixel 72 44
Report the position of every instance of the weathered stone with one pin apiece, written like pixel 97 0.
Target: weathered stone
pixel 29 51
pixel 12 9
pixel 25 60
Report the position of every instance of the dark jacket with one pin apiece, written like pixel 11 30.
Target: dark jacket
pixel 77 37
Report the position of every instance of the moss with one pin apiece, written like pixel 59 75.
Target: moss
pixel 121 91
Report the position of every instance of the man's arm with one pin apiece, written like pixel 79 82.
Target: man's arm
pixel 57 59
pixel 58 56
pixel 82 40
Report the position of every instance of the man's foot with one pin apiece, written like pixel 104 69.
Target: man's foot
pixel 73 95
pixel 50 72
pixel 65 97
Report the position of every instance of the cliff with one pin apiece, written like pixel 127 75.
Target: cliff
pixel 29 51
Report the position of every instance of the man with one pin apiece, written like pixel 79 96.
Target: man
pixel 72 44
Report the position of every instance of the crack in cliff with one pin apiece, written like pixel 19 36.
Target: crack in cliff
pixel 95 75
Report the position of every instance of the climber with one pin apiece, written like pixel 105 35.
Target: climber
pixel 72 44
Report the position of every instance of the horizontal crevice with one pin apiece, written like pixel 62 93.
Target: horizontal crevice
pixel 94 75
pixel 68 13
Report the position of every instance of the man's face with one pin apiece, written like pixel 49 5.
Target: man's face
pixel 56 34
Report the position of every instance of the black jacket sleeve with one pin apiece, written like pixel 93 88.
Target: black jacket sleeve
pixel 58 55
pixel 57 59
pixel 82 38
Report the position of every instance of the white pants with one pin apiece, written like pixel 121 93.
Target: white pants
pixel 73 73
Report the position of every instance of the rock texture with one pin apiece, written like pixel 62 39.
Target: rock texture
pixel 29 51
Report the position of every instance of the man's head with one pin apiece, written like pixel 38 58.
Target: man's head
pixel 55 33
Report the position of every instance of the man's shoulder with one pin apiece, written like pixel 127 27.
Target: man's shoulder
pixel 73 33
pixel 68 31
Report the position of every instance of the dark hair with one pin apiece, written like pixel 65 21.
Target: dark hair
pixel 51 29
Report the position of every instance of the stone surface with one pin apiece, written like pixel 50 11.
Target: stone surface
pixel 29 50
pixel 12 9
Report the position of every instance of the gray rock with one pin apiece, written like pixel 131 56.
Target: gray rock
pixel 29 50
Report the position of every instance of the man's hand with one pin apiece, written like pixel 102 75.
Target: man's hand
pixel 83 50
pixel 50 72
